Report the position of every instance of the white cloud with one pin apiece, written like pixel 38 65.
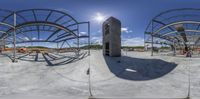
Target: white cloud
pixel 26 38
pixel 137 41
pixel 34 38
pixel 96 40
pixel 125 30
pixel 82 33
pixel 130 31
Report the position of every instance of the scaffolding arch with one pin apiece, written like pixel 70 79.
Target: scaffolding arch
pixel 33 26
pixel 178 30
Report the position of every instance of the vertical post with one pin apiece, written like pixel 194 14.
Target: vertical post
pixel 57 50
pixel 151 45
pixel 152 38
pixel 89 38
pixel 89 78
pixel 78 39
pixel 14 40
pixel 57 45
pixel 144 42
pixel 174 49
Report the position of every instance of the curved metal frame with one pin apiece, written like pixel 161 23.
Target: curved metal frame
pixel 61 26
pixel 163 26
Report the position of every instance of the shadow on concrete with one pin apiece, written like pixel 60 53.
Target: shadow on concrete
pixel 50 59
pixel 6 55
pixel 32 57
pixel 137 69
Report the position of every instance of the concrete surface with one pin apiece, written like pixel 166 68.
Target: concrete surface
pixel 35 79
pixel 134 75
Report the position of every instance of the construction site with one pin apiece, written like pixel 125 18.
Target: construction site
pixel 43 55
pixel 174 32
pixel 42 35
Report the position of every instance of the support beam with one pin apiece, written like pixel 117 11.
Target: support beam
pixel 33 41
pixel 59 18
pixel 4 19
pixel 174 49
pixel 48 15
pixel 46 19
pixel 163 24
pixel 72 38
pixel 151 45
pixel 38 30
pixel 152 29
pixel 62 44
pixel 54 33
pixel 160 36
pixel 64 36
pixel 14 40
pixel 176 23
pixel 66 22
pixel 89 38
pixel 68 44
pixel 78 47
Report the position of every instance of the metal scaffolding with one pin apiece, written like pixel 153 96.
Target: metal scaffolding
pixel 176 29
pixel 41 25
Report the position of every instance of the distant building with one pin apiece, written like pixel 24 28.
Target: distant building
pixel 112 37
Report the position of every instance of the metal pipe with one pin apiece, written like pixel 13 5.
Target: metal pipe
pixel 174 49
pixel 89 78
pixel 151 45
pixel 152 39
pixel 78 39
pixel 14 40
pixel 89 38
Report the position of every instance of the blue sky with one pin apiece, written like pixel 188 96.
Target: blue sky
pixel 134 14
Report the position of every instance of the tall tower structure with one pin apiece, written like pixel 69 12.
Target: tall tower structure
pixel 112 37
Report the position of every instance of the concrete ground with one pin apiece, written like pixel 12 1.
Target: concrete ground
pixel 38 79
pixel 134 75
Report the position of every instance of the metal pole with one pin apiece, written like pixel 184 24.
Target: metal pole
pixel 144 42
pixel 78 39
pixel 14 40
pixel 189 80
pixel 89 38
pixel 152 39
pixel 57 45
pixel 89 78
pixel 174 48
pixel 151 45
